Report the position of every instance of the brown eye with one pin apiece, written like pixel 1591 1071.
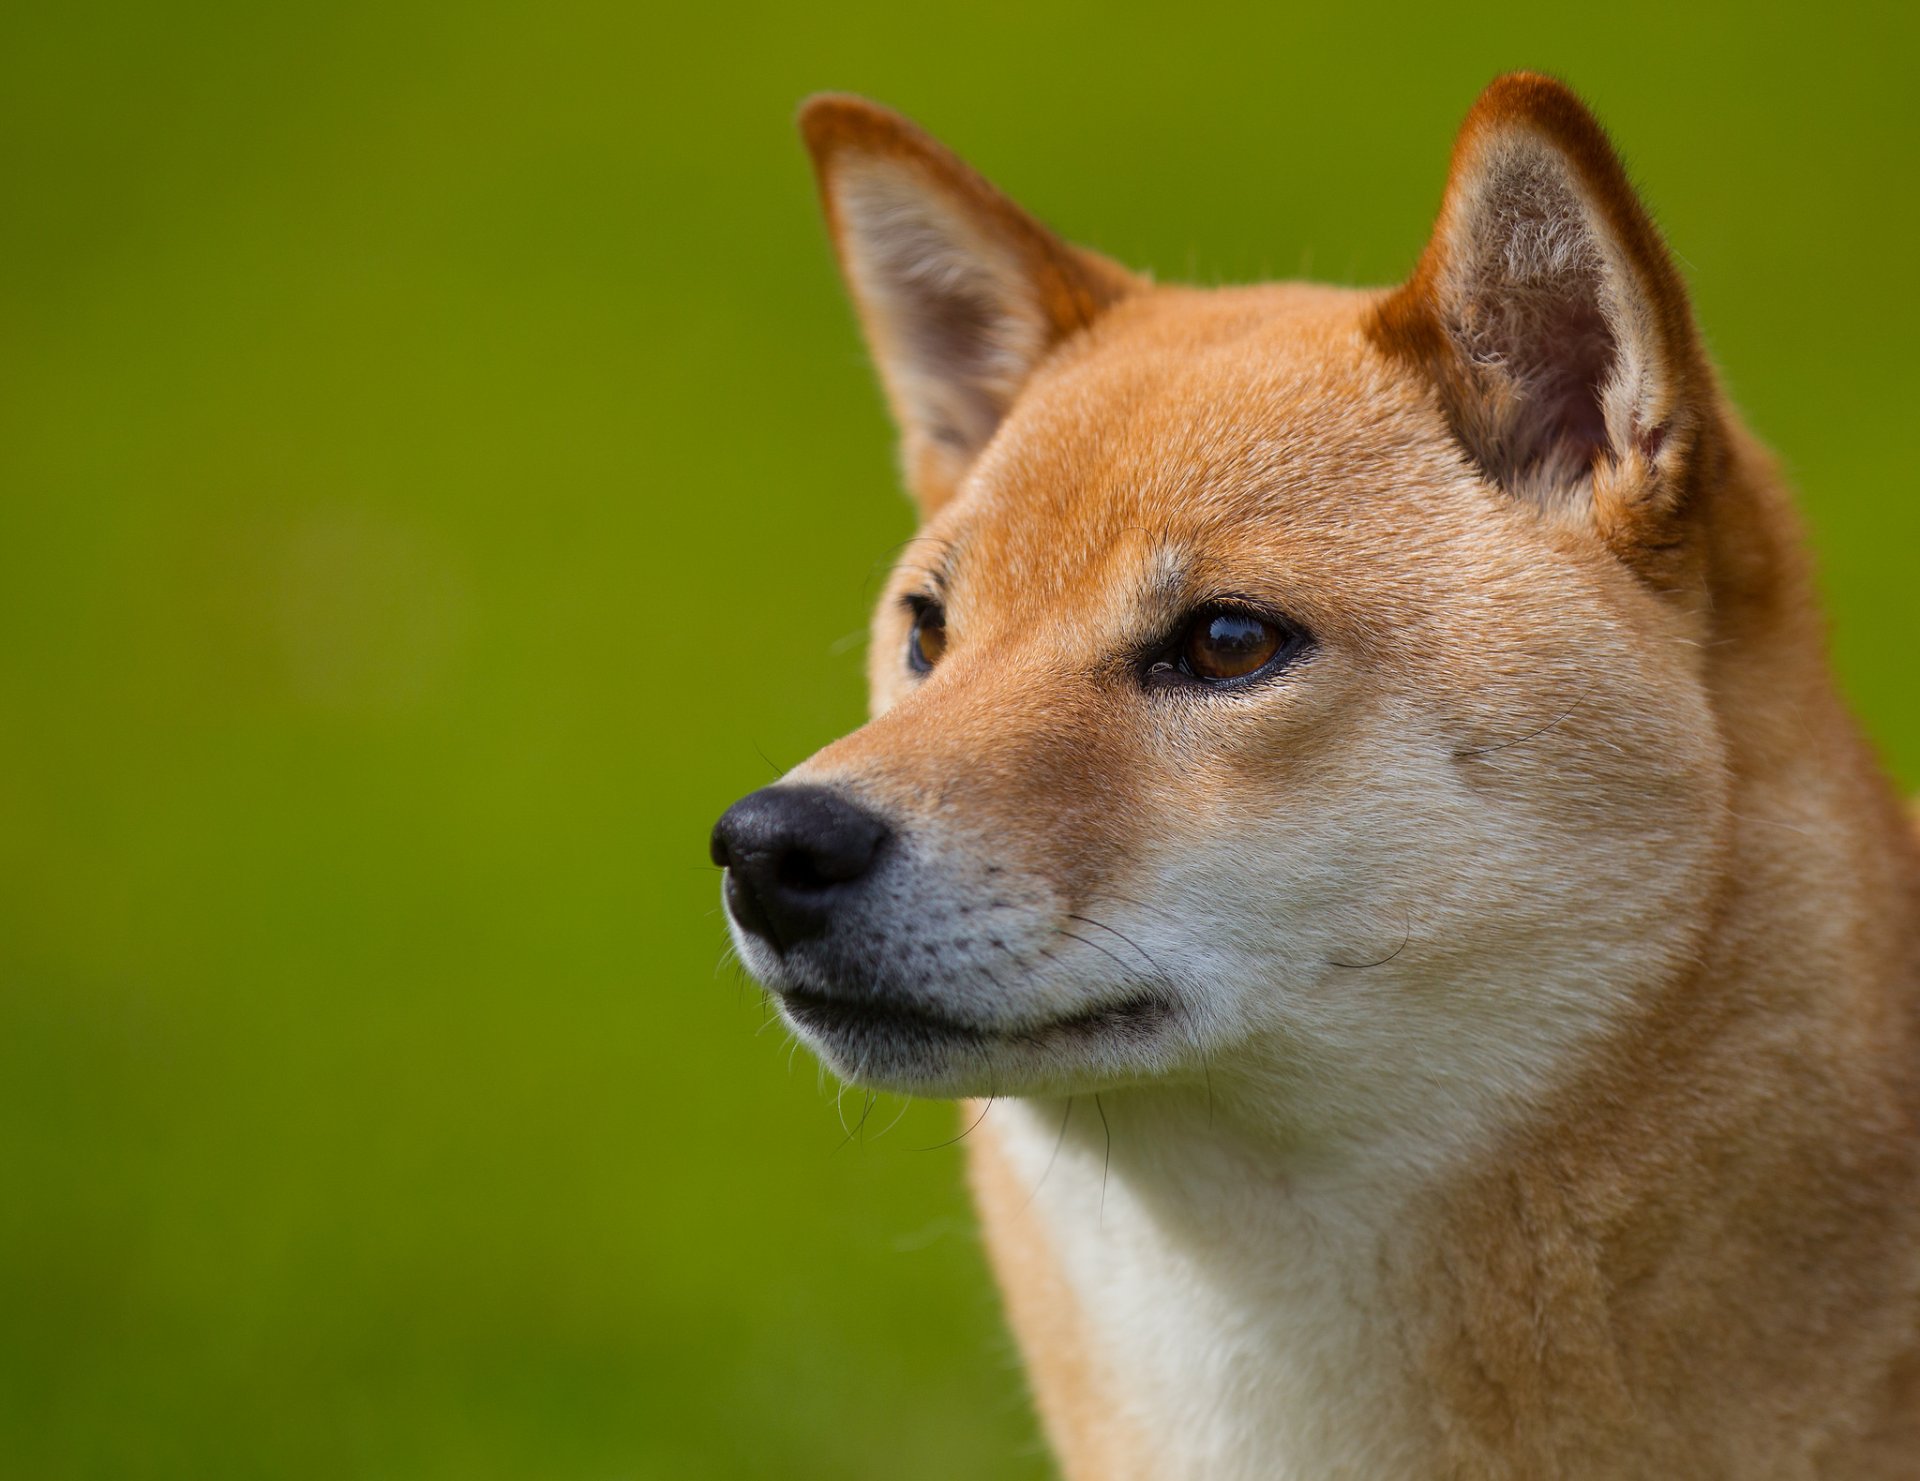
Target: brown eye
pixel 1230 645
pixel 928 640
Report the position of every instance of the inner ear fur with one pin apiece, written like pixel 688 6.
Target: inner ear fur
pixel 1550 318
pixel 961 293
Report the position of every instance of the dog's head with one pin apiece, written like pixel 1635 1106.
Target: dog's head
pixel 1291 686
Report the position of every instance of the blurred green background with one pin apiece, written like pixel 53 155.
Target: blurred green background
pixel 438 472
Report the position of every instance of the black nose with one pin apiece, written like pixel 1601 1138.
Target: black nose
pixel 791 853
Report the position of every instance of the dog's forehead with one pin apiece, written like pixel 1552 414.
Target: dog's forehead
pixel 1196 427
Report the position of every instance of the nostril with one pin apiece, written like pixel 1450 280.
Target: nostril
pixel 800 871
pixel 832 855
pixel 821 862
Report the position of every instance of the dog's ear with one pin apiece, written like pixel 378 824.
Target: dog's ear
pixel 1551 320
pixel 961 293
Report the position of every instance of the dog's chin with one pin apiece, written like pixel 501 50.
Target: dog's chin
pixel 923 1051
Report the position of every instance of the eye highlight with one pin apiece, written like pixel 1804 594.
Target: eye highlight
pixel 927 640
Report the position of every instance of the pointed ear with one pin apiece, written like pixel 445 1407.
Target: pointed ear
pixel 961 293
pixel 1551 320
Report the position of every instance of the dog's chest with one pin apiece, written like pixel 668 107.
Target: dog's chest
pixel 1248 1339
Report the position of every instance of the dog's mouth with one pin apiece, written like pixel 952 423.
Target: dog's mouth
pixel 851 1023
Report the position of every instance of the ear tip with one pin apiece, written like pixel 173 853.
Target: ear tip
pixel 830 122
pixel 1516 89
pixel 1542 104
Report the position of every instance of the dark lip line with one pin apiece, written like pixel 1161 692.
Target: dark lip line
pixel 829 1014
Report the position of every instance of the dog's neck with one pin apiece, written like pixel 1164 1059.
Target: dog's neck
pixel 1191 1281
pixel 1225 1309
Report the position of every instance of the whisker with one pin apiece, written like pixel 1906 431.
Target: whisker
pixel 1123 899
pixel 1102 925
pixel 1058 1142
pixel 1560 719
pixel 970 1129
pixel 860 1125
pixel 1362 966
pixel 776 770
pixel 906 1104
pixel 1106 1164
pixel 1095 946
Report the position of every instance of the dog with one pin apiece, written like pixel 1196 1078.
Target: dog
pixel 1356 795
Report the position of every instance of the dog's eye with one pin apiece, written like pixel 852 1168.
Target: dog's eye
pixel 1229 645
pixel 1221 644
pixel 928 640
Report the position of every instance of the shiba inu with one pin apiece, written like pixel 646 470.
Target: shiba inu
pixel 1355 783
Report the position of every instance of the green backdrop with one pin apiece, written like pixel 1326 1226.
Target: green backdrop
pixel 438 472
